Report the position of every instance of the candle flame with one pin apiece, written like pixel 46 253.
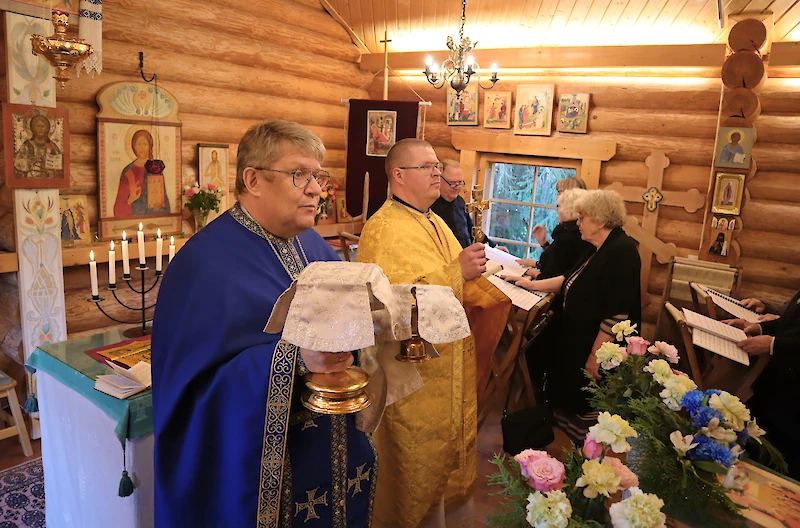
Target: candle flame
pixel 140 226
pixel 123 236
pixel 91 256
pixel 112 245
pixel 159 232
pixel 172 241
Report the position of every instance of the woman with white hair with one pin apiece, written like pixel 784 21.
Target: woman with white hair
pixel 595 295
pixel 568 249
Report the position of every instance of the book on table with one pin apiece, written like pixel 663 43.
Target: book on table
pixel 506 264
pixel 716 337
pixel 124 383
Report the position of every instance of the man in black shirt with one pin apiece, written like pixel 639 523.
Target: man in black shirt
pixel 452 207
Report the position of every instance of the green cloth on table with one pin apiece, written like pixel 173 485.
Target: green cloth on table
pixel 68 363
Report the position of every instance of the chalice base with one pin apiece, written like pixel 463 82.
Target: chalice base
pixel 336 393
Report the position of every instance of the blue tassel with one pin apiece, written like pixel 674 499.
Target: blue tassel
pixel 126 486
pixel 32 404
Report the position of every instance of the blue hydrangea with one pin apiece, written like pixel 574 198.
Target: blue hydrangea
pixel 703 415
pixel 709 450
pixel 692 401
pixel 742 437
pixel 709 392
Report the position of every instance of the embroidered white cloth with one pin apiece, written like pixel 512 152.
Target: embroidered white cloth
pixel 90 29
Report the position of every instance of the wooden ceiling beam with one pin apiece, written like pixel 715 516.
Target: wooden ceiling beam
pixel 669 56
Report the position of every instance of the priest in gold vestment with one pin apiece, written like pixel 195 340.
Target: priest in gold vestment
pixel 426 442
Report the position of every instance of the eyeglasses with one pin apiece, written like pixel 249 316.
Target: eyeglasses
pixel 455 185
pixel 302 177
pixel 429 167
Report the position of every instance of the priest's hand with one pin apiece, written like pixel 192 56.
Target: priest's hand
pixel 753 304
pixel 326 362
pixel 756 346
pixel 473 261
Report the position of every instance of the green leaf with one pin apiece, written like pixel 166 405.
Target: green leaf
pixel 46 93
pixel 628 392
pixel 17 91
pixel 711 467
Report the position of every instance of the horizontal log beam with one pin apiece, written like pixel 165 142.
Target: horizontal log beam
pixel 558 147
pixel 635 173
pixel 775 186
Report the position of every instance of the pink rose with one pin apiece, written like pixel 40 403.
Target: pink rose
pixel 335 185
pixel 204 188
pixel 628 478
pixel 637 346
pixel 664 349
pixel 189 192
pixel 591 448
pixel 543 472
pixel 211 186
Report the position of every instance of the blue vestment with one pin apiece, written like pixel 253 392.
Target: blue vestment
pixel 233 446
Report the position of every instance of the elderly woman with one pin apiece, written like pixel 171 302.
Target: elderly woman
pixel 596 295
pixel 568 249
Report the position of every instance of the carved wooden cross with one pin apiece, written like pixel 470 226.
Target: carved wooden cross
pixel 477 206
pixel 355 483
pixel 652 197
pixel 312 501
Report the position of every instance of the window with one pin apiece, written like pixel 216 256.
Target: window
pixel 520 197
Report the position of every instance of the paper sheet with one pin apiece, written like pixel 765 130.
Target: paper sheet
pixel 731 305
pixel 720 346
pixel 696 320
pixel 520 297
pixel 507 263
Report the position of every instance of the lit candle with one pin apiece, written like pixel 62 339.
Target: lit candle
pixel 93 273
pixel 171 248
pixel 494 68
pixel 126 265
pixel 112 265
pixel 470 61
pixel 159 250
pixel 140 236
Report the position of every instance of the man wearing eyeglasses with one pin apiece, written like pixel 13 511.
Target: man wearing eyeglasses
pixel 452 207
pixel 426 441
pixel 233 444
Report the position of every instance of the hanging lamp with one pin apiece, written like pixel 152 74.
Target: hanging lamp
pixel 62 52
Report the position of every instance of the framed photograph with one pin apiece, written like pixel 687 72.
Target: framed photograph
pixel 462 109
pixel 381 132
pixel 573 113
pixel 734 148
pixel 497 110
pixel 74 220
pixel 728 192
pixel 213 168
pixel 39 140
pixel 769 499
pixel 139 160
pixel 534 110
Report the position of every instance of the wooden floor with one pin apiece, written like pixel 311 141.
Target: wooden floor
pixel 11 452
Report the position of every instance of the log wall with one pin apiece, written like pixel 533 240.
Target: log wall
pixel 228 66
pixel 679 116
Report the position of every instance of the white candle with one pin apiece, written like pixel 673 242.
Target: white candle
pixel 93 273
pixel 126 265
pixel 112 265
pixel 159 250
pixel 171 248
pixel 140 236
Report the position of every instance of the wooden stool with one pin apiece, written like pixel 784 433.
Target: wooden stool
pixel 16 419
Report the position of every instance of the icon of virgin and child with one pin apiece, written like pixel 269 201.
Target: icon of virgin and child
pixel 140 191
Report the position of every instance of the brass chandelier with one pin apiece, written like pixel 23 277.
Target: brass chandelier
pixel 61 51
pixel 460 66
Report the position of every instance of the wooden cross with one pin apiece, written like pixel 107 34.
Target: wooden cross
pixel 355 483
pixel 652 197
pixel 385 43
pixel 477 206
pixel 312 501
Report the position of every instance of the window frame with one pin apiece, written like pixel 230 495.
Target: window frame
pixel 488 162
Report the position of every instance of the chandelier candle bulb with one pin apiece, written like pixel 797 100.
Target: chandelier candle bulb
pixel 140 237
pixel 93 274
pixel 112 266
pixel 159 250
pixel 171 248
pixel 126 265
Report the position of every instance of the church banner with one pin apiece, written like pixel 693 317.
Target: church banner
pixel 373 127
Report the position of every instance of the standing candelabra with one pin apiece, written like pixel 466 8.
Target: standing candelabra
pixel 126 276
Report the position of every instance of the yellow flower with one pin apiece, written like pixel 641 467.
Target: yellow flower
pixel 612 431
pixel 551 510
pixel 731 408
pixel 599 479
pixel 640 510
pixel 623 329
pixel 660 370
pixel 610 355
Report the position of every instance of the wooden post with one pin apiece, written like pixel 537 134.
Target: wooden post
pixel 386 42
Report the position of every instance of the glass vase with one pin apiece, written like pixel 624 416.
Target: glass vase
pixel 200 219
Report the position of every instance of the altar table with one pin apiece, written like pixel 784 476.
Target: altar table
pixel 83 431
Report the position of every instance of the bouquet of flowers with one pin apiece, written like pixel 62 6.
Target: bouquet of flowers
pixel 546 493
pixel 325 206
pixel 689 441
pixel 204 198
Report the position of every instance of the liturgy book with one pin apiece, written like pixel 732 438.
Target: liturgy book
pixel 125 382
pixel 716 337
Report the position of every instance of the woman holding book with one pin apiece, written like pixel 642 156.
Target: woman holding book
pixel 598 293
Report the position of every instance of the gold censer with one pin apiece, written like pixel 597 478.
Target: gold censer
pixel 336 393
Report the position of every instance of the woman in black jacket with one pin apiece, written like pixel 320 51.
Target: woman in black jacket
pixel 595 295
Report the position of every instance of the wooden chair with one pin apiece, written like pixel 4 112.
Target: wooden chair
pixel 347 240
pixel 15 420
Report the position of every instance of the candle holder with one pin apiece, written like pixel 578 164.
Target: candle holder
pixel 137 331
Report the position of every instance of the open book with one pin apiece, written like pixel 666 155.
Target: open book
pixel 505 263
pixel 730 305
pixel 716 337
pixel 126 382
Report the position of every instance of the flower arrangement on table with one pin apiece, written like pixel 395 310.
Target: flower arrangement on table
pixel 546 493
pixel 201 200
pixel 689 441
pixel 325 208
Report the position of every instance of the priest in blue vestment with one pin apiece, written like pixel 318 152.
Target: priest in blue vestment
pixel 233 445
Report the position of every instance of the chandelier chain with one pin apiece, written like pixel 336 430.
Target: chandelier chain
pixel 463 19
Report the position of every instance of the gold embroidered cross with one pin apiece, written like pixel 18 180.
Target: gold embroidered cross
pixel 309 424
pixel 312 501
pixel 651 198
pixel 477 206
pixel 356 482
